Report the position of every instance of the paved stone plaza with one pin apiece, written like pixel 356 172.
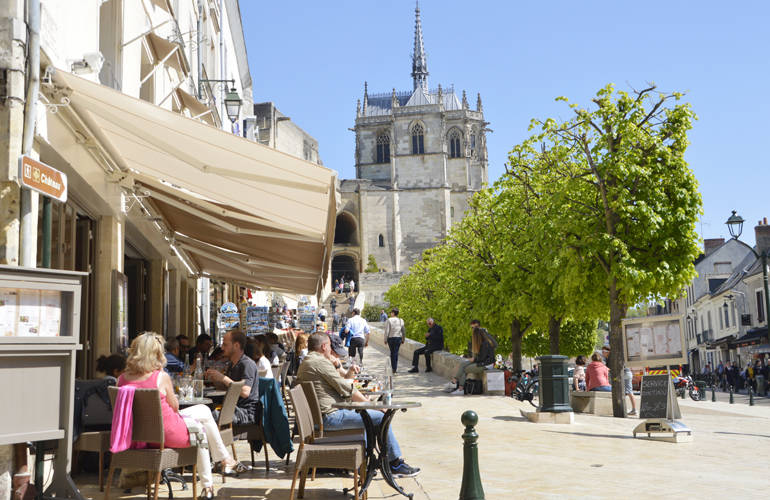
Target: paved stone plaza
pixel 596 457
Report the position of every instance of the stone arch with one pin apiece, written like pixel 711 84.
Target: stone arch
pixel 346 229
pixel 345 265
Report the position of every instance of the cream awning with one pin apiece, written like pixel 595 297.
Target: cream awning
pixel 196 108
pixel 237 209
pixel 168 53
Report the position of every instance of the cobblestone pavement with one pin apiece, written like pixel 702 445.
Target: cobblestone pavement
pixel 596 457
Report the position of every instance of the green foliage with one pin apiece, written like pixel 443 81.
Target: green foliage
pixel 371 312
pixel 576 338
pixel 371 265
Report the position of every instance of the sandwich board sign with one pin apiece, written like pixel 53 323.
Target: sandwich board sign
pixel 657 340
pixel 44 179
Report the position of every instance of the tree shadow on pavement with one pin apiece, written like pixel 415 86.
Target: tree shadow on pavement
pixel 227 492
pixel 510 418
pixel 588 434
pixel 742 434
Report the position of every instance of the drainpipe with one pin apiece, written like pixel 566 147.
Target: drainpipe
pixel 199 41
pixel 29 199
pixel 222 110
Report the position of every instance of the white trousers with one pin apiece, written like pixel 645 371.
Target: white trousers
pixel 217 450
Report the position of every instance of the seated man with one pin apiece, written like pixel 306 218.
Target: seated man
pixel 241 367
pixel 333 385
pixel 173 363
pixel 434 341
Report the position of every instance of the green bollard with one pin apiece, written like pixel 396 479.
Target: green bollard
pixel 732 400
pixel 713 394
pixel 471 488
pixel 751 396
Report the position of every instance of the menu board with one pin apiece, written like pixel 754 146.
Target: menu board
pixel 653 339
pixel 30 313
pixel 657 399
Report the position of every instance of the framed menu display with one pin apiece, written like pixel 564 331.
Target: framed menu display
pixel 654 341
pixel 28 312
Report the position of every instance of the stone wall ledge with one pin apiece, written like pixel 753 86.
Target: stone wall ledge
pixel 443 363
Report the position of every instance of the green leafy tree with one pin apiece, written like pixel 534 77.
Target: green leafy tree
pixel 576 338
pixel 634 200
pixel 371 265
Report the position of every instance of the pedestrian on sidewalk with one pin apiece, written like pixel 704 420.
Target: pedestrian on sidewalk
pixel 434 341
pixel 383 316
pixel 628 388
pixel 358 330
pixel 351 301
pixel 333 305
pixel 396 334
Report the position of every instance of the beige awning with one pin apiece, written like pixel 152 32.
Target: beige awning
pixel 196 108
pixel 168 53
pixel 237 210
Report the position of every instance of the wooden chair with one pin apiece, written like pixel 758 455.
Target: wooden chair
pixel 311 454
pixel 97 441
pixel 225 421
pixel 148 427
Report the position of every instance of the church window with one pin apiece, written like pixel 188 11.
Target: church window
pixel 473 144
pixel 451 211
pixel 383 148
pixel 454 144
pixel 418 140
pixel 381 240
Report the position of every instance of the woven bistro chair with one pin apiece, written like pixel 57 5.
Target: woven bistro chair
pixel 148 427
pixel 253 432
pixel 96 441
pixel 311 454
pixel 225 421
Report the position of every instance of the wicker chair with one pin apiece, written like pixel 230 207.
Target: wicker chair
pixel 148 427
pixel 311 455
pixel 253 432
pixel 225 421
pixel 318 422
pixel 96 441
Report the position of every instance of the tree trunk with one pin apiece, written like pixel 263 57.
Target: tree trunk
pixel 617 311
pixel 517 335
pixel 554 326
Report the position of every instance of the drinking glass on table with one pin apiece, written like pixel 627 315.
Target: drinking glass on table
pixel 185 387
pixel 197 388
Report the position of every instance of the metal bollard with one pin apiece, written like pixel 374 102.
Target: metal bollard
pixel 713 394
pixel 732 399
pixel 471 488
pixel 751 396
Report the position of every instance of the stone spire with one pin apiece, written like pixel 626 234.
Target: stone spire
pixel 479 107
pixel 419 59
pixel 465 101
pixel 366 97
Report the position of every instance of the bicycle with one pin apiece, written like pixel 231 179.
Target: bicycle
pixel 527 386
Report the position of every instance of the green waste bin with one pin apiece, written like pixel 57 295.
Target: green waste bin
pixel 554 384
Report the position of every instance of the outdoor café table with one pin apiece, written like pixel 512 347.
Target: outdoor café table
pixel 184 403
pixel 214 394
pixel 377 439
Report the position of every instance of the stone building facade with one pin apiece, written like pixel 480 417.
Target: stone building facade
pixel 420 155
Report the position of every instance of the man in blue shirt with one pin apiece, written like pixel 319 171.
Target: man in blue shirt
pixel 173 363
pixel 358 329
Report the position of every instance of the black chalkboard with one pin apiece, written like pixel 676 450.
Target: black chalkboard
pixel 655 397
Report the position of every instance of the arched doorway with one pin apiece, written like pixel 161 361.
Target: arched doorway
pixel 345 266
pixel 345 232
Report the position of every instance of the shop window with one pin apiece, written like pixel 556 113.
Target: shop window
pixel 381 241
pixel 418 140
pixel 383 148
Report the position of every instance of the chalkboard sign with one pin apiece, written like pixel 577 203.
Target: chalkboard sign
pixel 656 398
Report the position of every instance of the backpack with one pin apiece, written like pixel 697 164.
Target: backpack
pixel 473 386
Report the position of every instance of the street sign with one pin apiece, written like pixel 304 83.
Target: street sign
pixel 42 178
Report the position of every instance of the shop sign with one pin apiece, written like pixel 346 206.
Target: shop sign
pixel 42 178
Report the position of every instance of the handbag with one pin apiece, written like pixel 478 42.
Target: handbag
pixel 473 386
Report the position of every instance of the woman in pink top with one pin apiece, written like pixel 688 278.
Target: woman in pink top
pixel 597 375
pixel 144 370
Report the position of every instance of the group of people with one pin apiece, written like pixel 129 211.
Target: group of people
pixel 343 285
pixel 596 376
pixel 729 374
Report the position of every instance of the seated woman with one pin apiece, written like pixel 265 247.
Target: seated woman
pixel 482 354
pixel 255 349
pixel 144 370
pixel 597 375
pixel 579 375
pixel 112 365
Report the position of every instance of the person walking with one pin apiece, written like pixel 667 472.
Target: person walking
pixel 383 316
pixel 628 388
pixel 434 341
pixel 333 305
pixel 358 331
pixel 351 301
pixel 396 334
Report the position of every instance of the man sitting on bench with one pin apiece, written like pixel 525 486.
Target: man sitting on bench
pixel 434 341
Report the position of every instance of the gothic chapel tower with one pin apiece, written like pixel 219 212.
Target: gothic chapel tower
pixel 420 154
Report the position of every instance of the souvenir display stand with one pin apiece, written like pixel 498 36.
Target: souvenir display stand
pixel 257 320
pixel 39 337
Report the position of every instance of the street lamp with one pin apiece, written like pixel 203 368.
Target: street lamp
pixel 233 101
pixel 735 225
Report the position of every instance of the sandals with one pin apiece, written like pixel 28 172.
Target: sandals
pixel 234 470
pixel 207 494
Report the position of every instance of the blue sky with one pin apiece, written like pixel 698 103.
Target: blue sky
pixel 312 58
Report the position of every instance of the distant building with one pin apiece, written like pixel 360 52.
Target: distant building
pixel 272 128
pixel 420 155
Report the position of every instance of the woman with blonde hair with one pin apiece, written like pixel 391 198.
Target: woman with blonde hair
pixel 482 353
pixel 144 370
